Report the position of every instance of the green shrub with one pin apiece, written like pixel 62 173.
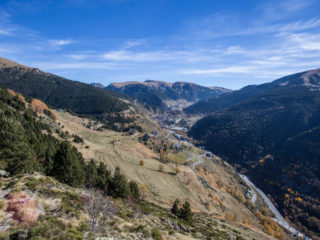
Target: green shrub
pixel 156 234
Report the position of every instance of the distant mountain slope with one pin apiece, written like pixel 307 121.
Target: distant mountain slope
pixel 57 91
pixel 230 98
pixel 273 134
pixel 157 93
pixel 141 92
pixel 98 85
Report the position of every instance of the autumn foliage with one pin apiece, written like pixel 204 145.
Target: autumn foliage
pixel 40 107
pixel 270 226
pixel 20 97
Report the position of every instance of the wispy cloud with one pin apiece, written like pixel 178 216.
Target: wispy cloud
pixel 235 69
pixel 6 32
pixel 133 43
pixel 306 41
pixel 60 42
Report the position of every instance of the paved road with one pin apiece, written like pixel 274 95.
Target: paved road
pixel 248 182
pixel 278 217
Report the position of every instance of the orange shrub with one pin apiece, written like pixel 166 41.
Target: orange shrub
pixel 22 99
pixel 40 107
pixel 11 92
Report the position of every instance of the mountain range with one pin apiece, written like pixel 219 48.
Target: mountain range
pixel 160 94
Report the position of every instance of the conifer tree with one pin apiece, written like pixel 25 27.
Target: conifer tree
pixel 186 213
pixel 134 190
pixel 91 174
pixel 104 176
pixel 69 165
pixel 175 210
pixel 119 187
pixel 16 154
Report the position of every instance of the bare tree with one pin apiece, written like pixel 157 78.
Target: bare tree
pixel 99 208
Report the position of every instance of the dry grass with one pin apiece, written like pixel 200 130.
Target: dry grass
pixel 117 149
pixel 24 209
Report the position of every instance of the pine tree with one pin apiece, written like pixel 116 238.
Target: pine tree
pixel 16 154
pixel 91 174
pixel 69 165
pixel 119 187
pixel 175 210
pixel 104 176
pixel 134 190
pixel 186 213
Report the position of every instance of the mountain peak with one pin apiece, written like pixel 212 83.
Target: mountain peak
pixel 311 79
pixel 98 85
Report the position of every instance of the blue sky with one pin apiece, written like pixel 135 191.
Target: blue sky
pixel 213 43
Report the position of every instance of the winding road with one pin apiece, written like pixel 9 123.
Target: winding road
pixel 250 184
pixel 278 217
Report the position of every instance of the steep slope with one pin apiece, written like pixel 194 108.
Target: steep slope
pixel 141 92
pixel 272 136
pixel 35 206
pixel 158 94
pixel 230 98
pixel 59 92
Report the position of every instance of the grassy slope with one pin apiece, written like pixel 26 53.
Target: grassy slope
pixel 117 149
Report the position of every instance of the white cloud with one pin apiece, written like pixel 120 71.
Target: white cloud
pixel 61 42
pixel 306 41
pixel 133 43
pixel 125 55
pixel 235 69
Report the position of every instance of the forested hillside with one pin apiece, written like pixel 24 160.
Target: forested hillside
pixel 59 92
pixel 27 145
pixel 228 99
pixel 273 137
